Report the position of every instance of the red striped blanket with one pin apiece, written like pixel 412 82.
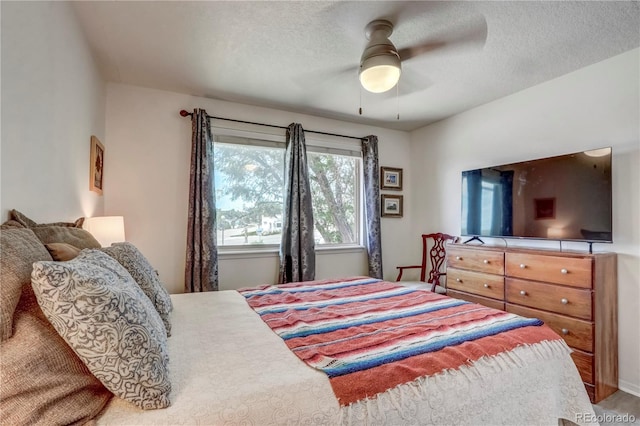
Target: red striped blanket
pixel 369 335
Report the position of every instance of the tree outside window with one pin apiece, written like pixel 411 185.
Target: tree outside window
pixel 249 195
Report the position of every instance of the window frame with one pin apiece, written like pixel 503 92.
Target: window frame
pixel 315 145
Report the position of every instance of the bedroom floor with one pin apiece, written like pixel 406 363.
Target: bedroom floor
pixel 616 406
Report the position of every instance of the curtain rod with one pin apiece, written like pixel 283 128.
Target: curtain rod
pixel 185 113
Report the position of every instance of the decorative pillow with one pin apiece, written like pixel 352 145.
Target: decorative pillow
pixel 19 248
pixel 60 234
pixel 62 251
pixel 141 270
pixel 43 380
pixel 95 305
pixel 11 224
pixel 28 223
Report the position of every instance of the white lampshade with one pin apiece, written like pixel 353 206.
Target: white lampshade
pixel 598 152
pixel 106 229
pixel 380 73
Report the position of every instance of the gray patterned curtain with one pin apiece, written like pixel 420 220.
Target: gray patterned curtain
pixel 372 204
pixel 201 270
pixel 297 249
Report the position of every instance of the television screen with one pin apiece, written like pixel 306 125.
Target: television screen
pixel 567 197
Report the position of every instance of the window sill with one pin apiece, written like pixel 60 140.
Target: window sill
pixel 328 249
pixel 273 252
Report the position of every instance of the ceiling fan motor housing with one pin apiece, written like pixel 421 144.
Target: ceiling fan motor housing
pixel 380 64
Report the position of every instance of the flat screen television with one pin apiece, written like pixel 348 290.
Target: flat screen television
pixel 566 198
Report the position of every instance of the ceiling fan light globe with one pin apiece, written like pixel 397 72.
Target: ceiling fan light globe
pixel 380 78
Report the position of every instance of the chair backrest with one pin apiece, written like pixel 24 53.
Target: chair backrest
pixel 437 255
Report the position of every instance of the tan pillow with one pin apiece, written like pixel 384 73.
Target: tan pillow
pixel 62 251
pixel 19 248
pixel 43 381
pixel 28 223
pixel 11 224
pixel 61 234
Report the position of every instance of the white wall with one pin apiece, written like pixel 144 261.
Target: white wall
pixel 594 107
pixel 53 100
pixel 148 180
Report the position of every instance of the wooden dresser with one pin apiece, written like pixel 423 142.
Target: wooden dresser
pixel 573 293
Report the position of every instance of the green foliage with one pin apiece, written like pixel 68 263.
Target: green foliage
pixel 333 185
pixel 254 175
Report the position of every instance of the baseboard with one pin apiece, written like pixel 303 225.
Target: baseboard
pixel 627 387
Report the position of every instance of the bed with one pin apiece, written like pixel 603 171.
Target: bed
pixel 238 371
pixel 244 357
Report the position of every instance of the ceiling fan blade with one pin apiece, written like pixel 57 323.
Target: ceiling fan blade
pixel 410 82
pixel 472 33
pixel 403 12
pixel 325 77
pixel 413 51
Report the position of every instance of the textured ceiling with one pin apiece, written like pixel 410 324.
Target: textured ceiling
pixel 303 56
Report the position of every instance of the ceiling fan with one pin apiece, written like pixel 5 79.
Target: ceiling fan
pixel 381 62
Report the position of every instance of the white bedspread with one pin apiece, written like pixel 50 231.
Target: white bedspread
pixel 228 367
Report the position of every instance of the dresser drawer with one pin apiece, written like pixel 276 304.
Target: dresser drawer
pixel 476 282
pixel 563 300
pixel 488 261
pixel 485 301
pixel 573 271
pixel 577 333
pixel 591 392
pixel 584 362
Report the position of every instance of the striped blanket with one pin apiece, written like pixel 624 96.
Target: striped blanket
pixel 369 335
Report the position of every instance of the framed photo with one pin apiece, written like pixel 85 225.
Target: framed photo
pixel 391 178
pixel 96 166
pixel 391 205
pixel 545 208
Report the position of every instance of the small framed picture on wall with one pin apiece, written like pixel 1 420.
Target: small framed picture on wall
pixel 391 205
pixel 96 166
pixel 391 178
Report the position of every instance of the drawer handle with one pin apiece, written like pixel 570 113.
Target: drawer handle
pixel 458 280
pixel 565 331
pixel 564 301
pixel 486 286
pixel 523 293
pixel 564 271
pixel 522 266
pixel 458 258
pixel 486 262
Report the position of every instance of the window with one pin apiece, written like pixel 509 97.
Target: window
pixel 334 186
pixel 249 185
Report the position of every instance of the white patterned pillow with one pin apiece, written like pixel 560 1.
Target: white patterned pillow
pixel 95 305
pixel 141 270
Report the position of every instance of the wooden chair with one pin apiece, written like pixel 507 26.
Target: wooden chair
pixel 437 256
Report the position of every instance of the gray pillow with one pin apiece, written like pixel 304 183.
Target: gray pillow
pixel 147 278
pixel 97 308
